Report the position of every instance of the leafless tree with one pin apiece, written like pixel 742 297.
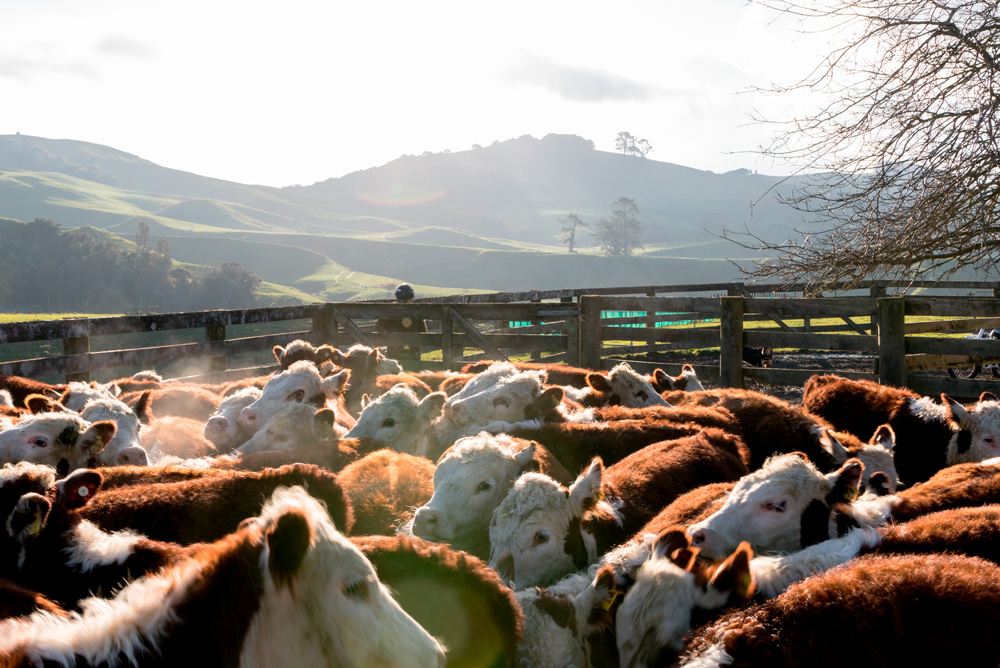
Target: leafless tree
pixel 901 169
pixel 570 224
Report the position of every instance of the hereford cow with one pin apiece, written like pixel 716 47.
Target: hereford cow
pixel 300 383
pixel 541 531
pixel 401 421
pixel 62 440
pixel 471 479
pixel 294 425
pixel 77 394
pixel 20 387
pixel 125 448
pixel 285 589
pixel 456 597
pixel 784 506
pixel 891 605
pixel 686 381
pixel 223 428
pixel 929 436
pixel 302 350
pixel 208 508
pixel 621 387
pixel 772 426
pixel 384 488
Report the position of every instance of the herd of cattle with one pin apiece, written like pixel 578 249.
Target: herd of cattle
pixel 343 512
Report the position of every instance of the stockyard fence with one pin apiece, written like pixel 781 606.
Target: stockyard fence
pixel 906 330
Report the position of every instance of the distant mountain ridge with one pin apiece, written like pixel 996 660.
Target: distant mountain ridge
pixel 488 216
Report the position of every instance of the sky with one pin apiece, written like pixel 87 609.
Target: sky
pixel 299 91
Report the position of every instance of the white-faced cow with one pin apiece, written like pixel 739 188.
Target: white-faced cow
pixel 300 383
pixel 126 446
pixel 784 506
pixel 63 440
pixel 224 429
pixel 401 421
pixel 285 589
pixel 623 386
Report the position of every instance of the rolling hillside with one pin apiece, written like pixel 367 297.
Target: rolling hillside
pixel 484 219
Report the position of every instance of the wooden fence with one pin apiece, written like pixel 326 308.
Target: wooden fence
pixel 903 335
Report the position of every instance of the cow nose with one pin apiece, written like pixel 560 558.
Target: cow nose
pixel 457 413
pixel 698 537
pixel 425 523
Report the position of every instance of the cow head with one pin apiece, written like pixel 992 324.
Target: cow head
pixel 623 386
pixel 399 419
pixel 977 429
pixel 784 506
pixel 541 530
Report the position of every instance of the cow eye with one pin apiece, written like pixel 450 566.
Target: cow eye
pixel 484 486
pixel 775 506
pixel 40 442
pixel 357 589
pixel 501 401
pixel 298 395
pixel 389 422
pixel 541 538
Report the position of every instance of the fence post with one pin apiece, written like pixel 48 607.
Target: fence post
pixel 447 347
pixel 573 346
pixel 216 333
pixel 877 290
pixel 78 345
pixel 325 326
pixel 731 345
pixel 892 341
pixel 590 331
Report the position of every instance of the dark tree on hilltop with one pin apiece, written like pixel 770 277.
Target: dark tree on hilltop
pixel 569 226
pixel 229 286
pixel 622 233
pixel 904 158
pixel 630 145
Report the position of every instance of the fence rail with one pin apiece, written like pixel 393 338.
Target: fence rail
pixel 905 336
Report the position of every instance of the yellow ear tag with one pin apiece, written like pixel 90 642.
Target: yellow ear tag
pixel 851 493
pixel 98 444
pixel 36 527
pixel 745 582
pixel 554 400
pixel 610 600
pixel 599 496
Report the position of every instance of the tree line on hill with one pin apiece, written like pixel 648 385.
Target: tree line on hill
pixel 47 268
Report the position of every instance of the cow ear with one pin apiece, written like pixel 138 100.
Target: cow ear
pixel 661 381
pixel 879 483
pixel 549 399
pixel 955 411
pixel 845 482
pixel 834 447
pixel 988 396
pixel 734 574
pixel 670 540
pixel 430 407
pixel 98 435
pixel 559 608
pixel 685 557
pixel 335 384
pixel 325 418
pixel 586 491
pixel 288 540
pixel 279 353
pixel 605 595
pixel 885 437
pixel 324 354
pixel 28 517
pixel 39 403
pixel 525 459
pixel 337 357
pixel 78 488
pixel 599 382
pixel 144 407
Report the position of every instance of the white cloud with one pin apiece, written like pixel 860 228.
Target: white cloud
pixel 120 45
pixel 578 84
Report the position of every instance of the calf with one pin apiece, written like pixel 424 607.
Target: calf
pixel 77 394
pixel 357 396
pixel 772 426
pixel 453 595
pixel 686 381
pixel 223 428
pixel 125 448
pixel 891 604
pixel 208 508
pixel 784 506
pixel 300 383
pixel 929 436
pixel 384 488
pixel 541 531
pixel 285 589
pixel 471 479
pixel 621 387
pixel 20 387
pixel 401 421
pixel 294 425
pixel 62 440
